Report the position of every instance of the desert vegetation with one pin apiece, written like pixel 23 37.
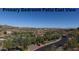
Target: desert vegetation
pixel 22 38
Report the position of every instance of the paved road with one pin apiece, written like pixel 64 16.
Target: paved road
pixel 44 46
pixel 54 45
pixel 47 44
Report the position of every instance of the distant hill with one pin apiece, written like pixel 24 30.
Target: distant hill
pixel 7 27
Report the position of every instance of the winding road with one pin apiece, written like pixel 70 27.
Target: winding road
pixel 52 46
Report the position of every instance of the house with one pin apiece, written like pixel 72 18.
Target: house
pixel 9 32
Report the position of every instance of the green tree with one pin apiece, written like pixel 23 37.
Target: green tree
pixel 39 39
pixel 51 35
pixel 72 43
pixel 8 43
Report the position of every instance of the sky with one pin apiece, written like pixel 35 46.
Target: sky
pixel 40 19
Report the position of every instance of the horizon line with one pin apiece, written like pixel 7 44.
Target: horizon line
pixel 39 27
